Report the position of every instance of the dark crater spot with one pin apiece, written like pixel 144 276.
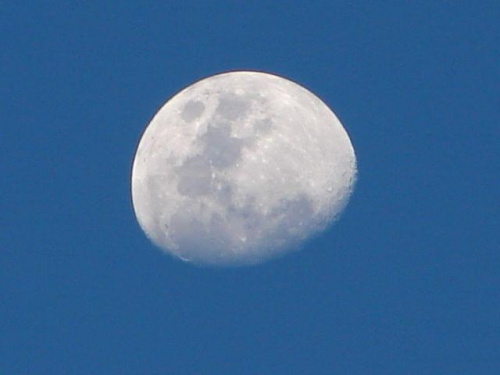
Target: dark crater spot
pixel 192 110
pixel 221 149
pixel 194 177
pixel 232 107
pixel 263 126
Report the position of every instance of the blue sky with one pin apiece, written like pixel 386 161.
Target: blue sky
pixel 407 282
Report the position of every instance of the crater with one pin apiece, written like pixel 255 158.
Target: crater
pixel 192 110
pixel 263 126
pixel 232 107
pixel 194 177
pixel 221 149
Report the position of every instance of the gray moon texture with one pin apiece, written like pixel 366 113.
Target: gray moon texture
pixel 240 168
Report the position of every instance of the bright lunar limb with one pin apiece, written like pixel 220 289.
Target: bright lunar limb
pixel 239 168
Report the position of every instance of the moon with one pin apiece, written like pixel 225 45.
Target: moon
pixel 240 168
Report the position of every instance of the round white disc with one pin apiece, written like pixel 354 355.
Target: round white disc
pixel 239 168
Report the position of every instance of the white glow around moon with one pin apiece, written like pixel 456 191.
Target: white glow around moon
pixel 239 168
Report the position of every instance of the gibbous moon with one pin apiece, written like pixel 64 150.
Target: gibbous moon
pixel 239 168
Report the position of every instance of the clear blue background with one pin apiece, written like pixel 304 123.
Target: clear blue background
pixel 407 282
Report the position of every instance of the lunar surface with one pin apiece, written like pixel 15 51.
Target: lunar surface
pixel 239 168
